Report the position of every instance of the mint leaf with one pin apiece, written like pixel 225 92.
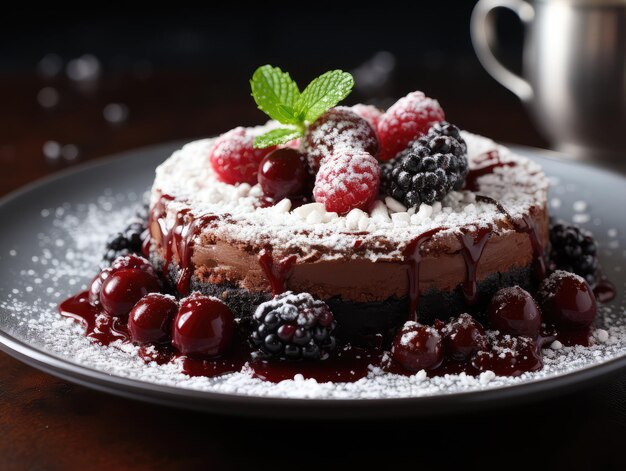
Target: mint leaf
pixel 323 93
pixel 275 93
pixel 276 136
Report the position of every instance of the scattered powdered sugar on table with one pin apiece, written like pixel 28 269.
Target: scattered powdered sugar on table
pixel 69 254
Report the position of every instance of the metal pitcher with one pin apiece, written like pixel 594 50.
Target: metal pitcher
pixel 574 69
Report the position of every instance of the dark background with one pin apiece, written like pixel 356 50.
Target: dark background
pixel 156 75
pixel 180 74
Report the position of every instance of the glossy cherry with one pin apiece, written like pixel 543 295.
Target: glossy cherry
pixel 124 288
pixel 96 286
pixel 463 337
pixel 283 173
pixel 417 347
pixel 514 311
pixel 150 321
pixel 567 300
pixel 133 261
pixel 203 327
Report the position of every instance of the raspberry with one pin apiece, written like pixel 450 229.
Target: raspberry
pixel 234 158
pixel 338 127
pixel 369 113
pixel 347 180
pixel 406 120
pixel 293 326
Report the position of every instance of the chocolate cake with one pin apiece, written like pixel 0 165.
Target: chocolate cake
pixel 374 268
pixel 334 242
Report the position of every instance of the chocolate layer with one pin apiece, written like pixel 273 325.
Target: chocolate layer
pixel 360 279
pixel 363 321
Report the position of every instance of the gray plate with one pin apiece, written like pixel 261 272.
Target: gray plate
pixel 21 213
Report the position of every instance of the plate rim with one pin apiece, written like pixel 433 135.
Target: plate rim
pixel 264 406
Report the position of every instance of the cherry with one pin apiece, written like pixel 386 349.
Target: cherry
pixel 203 327
pixel 514 311
pixel 417 347
pixel 567 300
pixel 463 337
pixel 151 318
pixel 96 286
pixel 124 288
pixel 133 261
pixel 283 173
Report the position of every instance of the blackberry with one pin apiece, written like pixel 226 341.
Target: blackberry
pixel 574 249
pixel 127 242
pixel 293 326
pixel 429 168
pixel 386 168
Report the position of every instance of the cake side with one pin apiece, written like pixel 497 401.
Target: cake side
pixel 360 258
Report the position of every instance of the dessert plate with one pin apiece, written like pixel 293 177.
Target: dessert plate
pixel 53 237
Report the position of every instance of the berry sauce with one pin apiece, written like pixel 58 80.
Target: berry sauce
pixel 472 247
pixel 412 259
pixel 347 364
pixel 492 161
pixel 97 324
pixel 277 272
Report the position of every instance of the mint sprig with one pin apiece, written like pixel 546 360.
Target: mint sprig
pixel 275 93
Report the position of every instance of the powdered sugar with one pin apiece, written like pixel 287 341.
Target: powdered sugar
pixel 188 178
pixel 338 128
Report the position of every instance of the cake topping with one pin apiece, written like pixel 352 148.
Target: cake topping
pixel 405 121
pixel 203 327
pixel 514 311
pixel 150 320
pixel 567 300
pixel 278 95
pixel 348 180
pixel 192 183
pixel 462 337
pixel 338 128
pixel 574 249
pixel 235 159
pixel 417 347
pixel 429 168
pixel 283 174
pixel 293 326
pixel 133 261
pixel 123 288
pixel 369 113
pixel 96 286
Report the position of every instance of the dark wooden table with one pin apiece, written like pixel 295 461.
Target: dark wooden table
pixel 47 423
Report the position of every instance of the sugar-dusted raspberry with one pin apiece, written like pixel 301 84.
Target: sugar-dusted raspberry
pixel 347 180
pixel 368 112
pixel 406 120
pixel 234 158
pixel 339 127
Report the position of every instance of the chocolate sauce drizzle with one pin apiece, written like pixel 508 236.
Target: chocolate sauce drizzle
pixel 412 259
pixel 471 179
pixel 472 247
pixel 277 272
pixel 525 226
pixel 179 239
